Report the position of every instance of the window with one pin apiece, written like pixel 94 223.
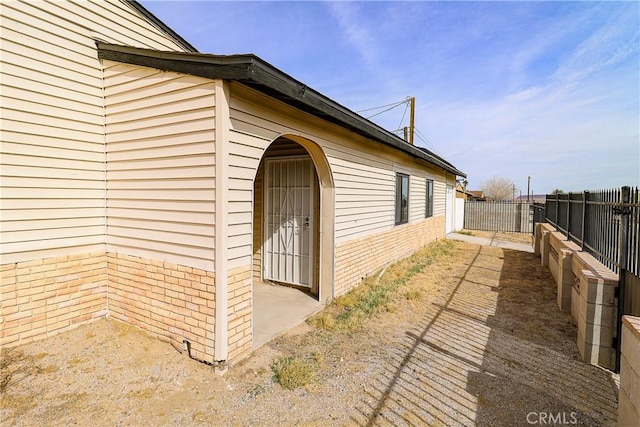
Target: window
pixel 429 199
pixel 402 198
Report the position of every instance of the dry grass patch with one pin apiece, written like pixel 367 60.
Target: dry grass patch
pixel 292 372
pixel 376 293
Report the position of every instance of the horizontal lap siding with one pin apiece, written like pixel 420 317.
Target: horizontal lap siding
pixel 160 165
pixel 52 163
pixel 439 198
pixel 363 171
pixel 365 188
pixel 245 152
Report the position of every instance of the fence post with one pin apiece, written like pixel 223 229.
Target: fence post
pixel 557 210
pixel 568 216
pixel 624 212
pixel 585 196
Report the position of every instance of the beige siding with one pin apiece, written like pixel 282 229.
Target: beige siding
pixel 245 152
pixel 363 171
pixel 160 165
pixel 52 163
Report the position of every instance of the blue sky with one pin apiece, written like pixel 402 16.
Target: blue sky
pixel 549 90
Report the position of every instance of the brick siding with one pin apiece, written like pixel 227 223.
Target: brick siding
pixel 43 297
pixel 172 302
pixel 358 258
pixel 240 313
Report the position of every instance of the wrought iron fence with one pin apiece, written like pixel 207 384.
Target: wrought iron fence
pixel 592 219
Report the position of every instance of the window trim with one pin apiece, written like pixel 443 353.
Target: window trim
pixel 429 198
pixel 400 179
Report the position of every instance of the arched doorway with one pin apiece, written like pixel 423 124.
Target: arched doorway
pixel 293 229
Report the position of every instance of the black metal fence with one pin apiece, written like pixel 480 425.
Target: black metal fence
pixel 594 221
pixel 606 224
pixel 498 216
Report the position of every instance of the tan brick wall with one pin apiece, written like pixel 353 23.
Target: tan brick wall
pixel 172 302
pixel 240 313
pixel 361 257
pixel 43 297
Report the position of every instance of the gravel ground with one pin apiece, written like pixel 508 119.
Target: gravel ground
pixel 475 338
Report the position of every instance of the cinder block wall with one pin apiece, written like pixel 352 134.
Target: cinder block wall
pixel 173 302
pixel 43 297
pixel 358 258
pixel 587 289
pixel 629 396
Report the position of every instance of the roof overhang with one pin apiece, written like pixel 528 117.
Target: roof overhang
pixel 256 73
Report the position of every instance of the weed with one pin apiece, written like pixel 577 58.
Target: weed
pixel 465 232
pixel 413 294
pixel 292 372
pixel 348 312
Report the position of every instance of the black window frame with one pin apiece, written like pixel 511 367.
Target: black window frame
pixel 402 212
pixel 428 211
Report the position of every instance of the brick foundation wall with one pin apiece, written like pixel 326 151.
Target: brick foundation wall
pixel 240 313
pixel 361 257
pixel 172 302
pixel 44 297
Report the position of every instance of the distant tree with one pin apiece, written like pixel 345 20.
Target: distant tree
pixel 557 191
pixel 498 189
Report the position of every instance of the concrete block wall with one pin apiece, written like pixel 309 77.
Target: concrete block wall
pixel 240 314
pixel 173 302
pixel 358 258
pixel 565 279
pixel 596 321
pixel 586 288
pixel 629 396
pixel 44 297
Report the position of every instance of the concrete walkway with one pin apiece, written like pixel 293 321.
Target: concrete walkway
pixel 276 309
pixel 496 241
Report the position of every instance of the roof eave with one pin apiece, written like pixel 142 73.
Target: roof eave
pixel 262 76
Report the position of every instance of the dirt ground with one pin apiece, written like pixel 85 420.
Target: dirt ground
pixel 474 338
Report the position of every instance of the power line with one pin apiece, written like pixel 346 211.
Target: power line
pixel 395 104
pixel 406 107
pixel 427 142
pixel 400 129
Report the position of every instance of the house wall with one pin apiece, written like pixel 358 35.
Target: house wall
pixel 53 174
pixel 52 122
pixel 363 173
pixel 160 157
pixel 160 154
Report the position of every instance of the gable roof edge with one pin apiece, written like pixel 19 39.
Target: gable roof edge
pixel 161 25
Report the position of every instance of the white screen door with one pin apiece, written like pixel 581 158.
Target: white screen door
pixel 289 221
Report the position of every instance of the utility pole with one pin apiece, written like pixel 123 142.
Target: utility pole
pixel 412 121
pixel 528 187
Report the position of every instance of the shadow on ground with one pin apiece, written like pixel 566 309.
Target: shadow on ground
pixel 494 351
